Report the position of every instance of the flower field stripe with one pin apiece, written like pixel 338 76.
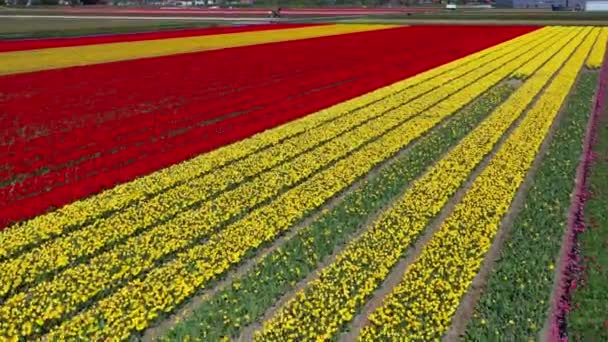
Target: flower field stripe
pixel 586 319
pixel 203 192
pixel 249 296
pixel 64 250
pixel 332 299
pixel 516 310
pixel 63 57
pixel 68 158
pixel 596 57
pixel 34 44
pixel 51 225
pixel 441 275
pixel 533 64
pixel 82 211
pixel 191 226
pixel 192 269
pixel 34 152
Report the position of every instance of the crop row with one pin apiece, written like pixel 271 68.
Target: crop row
pixel 63 57
pixel 249 296
pixel 91 172
pixel 169 284
pixel 211 211
pixel 596 57
pixel 56 223
pixel 587 319
pixel 422 305
pixel 333 298
pixel 79 284
pixel 516 299
pixel 33 44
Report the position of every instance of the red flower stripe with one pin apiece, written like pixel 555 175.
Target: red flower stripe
pixel 137 143
pixel 31 44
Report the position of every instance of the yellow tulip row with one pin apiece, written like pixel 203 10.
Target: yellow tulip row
pixel 422 305
pixel 175 203
pixel 54 224
pixel 60 252
pixel 83 282
pixel 532 65
pixel 63 57
pixel 596 57
pixel 144 299
pixel 332 299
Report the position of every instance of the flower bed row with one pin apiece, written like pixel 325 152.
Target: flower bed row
pixel 422 305
pixel 249 296
pixel 596 57
pixel 141 253
pixel 332 299
pixel 54 224
pixel 32 44
pixel 101 176
pixel 516 299
pixel 166 286
pixel 213 210
pixel 72 56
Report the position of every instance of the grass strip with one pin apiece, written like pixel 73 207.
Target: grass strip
pixel 248 298
pixel 94 31
pixel 588 318
pixel 514 304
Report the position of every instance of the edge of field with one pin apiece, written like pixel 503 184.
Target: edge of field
pixel 588 315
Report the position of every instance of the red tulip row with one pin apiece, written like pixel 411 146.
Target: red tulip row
pixel 247 96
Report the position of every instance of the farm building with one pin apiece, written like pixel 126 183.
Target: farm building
pixel 587 5
pixel 531 3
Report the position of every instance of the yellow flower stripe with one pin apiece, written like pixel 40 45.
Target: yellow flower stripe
pixel 319 310
pixel 532 65
pixel 422 305
pixel 57 253
pixel 53 224
pixel 596 57
pixel 80 283
pixel 63 57
pixel 166 286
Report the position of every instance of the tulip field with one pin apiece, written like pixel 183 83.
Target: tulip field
pixel 295 182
